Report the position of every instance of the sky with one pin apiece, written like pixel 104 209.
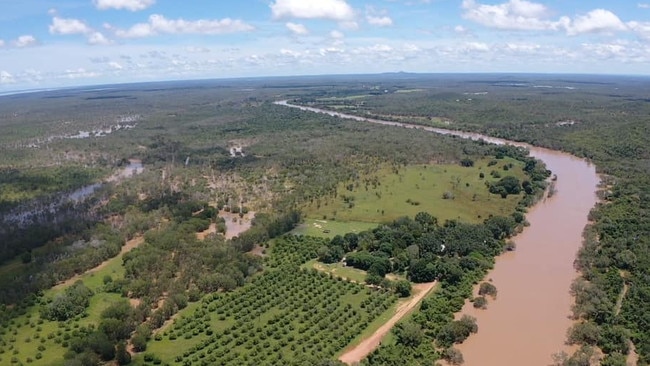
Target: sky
pixel 56 43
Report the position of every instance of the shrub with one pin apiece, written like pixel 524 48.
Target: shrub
pixel 487 288
pixel 480 302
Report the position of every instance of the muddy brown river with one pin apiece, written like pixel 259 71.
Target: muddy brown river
pixel 527 323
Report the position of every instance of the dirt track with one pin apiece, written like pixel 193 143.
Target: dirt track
pixel 125 249
pixel 369 344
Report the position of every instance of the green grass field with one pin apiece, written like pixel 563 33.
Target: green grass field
pixel 338 270
pixel 329 228
pixel 387 195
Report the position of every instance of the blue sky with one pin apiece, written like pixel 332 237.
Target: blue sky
pixel 52 43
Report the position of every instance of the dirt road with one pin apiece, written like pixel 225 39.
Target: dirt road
pixel 369 344
pixel 133 243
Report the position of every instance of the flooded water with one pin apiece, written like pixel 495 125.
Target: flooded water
pixel 134 167
pixel 236 225
pixel 527 323
pixel 30 212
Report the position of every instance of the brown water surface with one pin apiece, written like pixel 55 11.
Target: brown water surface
pixel 528 321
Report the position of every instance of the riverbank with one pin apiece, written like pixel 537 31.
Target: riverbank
pixel 531 314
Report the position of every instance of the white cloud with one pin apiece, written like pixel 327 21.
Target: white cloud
pixel 526 15
pixel 2 43
pixel 79 73
pixel 194 49
pixel 330 50
pixel 139 30
pixel 411 48
pixel 338 10
pixel 67 26
pixel 132 5
pixel 596 21
pixel 158 24
pixel 97 38
pixel 380 21
pixel 642 29
pixel 25 41
pixel 71 26
pixel 6 77
pixel 115 66
pixel 522 47
pixel 515 15
pixel 606 50
pixel 337 34
pixel 643 5
pixel 380 48
pixel 477 46
pixel 287 52
pixel 297 29
pixel 31 76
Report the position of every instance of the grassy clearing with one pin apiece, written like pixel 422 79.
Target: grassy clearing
pixel 391 193
pixel 30 335
pixel 338 270
pixel 329 228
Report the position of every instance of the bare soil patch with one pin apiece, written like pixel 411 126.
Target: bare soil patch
pixel 203 234
pixel 258 251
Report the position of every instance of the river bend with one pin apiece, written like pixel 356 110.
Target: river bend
pixel 528 321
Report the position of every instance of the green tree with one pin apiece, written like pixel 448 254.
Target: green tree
pixel 122 356
pixel 426 219
pixel 584 333
pixel 115 329
pixel 614 359
pixel 403 288
pixel 374 279
pixel 72 302
pixel 423 271
pixel 457 331
pixel 409 334
pixel 139 342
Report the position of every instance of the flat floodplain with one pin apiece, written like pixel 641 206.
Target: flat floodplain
pixel 447 191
